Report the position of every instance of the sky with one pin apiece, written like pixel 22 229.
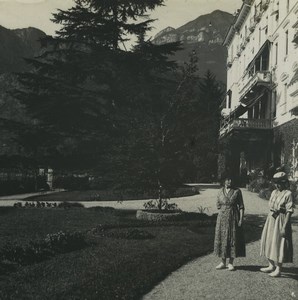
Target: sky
pixel 37 13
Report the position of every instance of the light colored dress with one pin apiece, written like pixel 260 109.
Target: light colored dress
pixel 229 237
pixel 273 245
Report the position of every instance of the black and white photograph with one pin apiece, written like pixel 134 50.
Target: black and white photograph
pixel 148 149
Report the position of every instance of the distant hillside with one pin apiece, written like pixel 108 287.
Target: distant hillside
pixel 205 35
pixel 17 44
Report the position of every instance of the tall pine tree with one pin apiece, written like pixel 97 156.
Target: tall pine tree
pixel 86 88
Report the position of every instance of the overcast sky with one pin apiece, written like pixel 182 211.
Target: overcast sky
pixel 37 13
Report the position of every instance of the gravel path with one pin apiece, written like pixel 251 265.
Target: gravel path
pixel 199 279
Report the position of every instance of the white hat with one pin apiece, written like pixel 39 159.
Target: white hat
pixel 280 177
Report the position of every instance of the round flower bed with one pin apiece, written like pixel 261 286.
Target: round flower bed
pixel 157 215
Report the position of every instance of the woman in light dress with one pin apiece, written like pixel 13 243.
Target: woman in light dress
pixel 276 241
pixel 229 237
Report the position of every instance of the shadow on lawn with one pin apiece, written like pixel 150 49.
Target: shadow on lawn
pixel 6 268
pixel 291 272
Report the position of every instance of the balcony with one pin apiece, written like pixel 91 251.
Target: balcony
pixel 258 16
pixel 242 45
pixel 252 24
pixel 265 5
pixel 259 78
pixel 229 125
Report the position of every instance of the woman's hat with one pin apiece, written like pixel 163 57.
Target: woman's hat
pixel 280 177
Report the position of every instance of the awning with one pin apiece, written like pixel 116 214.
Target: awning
pixel 250 101
pixel 259 53
pixel 294 78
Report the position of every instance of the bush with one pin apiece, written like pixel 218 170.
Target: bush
pixel 129 234
pixel 66 204
pixel 71 182
pixel 259 184
pixel 36 251
pixel 62 242
pixel 23 185
pixel 294 190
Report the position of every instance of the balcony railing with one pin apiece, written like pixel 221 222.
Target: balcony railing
pixel 242 124
pixel 247 82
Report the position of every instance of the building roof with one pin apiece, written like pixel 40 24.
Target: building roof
pixel 238 22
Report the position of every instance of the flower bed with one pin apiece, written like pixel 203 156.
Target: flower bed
pixel 151 215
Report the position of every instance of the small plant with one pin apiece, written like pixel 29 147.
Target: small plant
pixel 160 205
pixel 203 210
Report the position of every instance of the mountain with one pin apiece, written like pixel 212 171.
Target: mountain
pixel 17 44
pixel 205 35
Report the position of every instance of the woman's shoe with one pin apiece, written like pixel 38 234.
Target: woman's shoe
pixel 276 273
pixel 267 269
pixel 220 266
pixel 231 267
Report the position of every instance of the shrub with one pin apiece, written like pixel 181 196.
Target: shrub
pixel 62 242
pixel 258 184
pixel 128 233
pixel 36 251
pixel 66 204
pixel 71 182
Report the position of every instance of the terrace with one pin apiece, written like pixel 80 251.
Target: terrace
pixel 229 124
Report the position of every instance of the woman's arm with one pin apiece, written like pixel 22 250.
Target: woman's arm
pixel 241 211
pixel 241 208
pixel 287 220
pixel 289 211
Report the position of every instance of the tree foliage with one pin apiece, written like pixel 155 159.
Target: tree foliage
pixel 85 88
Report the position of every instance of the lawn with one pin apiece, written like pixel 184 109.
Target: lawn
pixel 112 266
pixel 108 195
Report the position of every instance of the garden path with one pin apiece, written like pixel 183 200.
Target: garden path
pixel 199 279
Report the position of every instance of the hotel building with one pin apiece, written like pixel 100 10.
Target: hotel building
pixel 259 125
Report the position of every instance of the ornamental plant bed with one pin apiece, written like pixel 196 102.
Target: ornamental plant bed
pixel 157 215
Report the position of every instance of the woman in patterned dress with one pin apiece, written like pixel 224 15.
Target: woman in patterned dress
pixel 276 240
pixel 229 237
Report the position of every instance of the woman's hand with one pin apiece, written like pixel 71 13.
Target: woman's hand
pixel 240 223
pixel 283 232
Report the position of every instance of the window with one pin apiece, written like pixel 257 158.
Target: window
pixel 276 53
pixel 285 96
pixel 287 42
pixel 229 99
pixel 274 100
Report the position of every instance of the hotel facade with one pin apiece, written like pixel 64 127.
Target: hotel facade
pixel 259 119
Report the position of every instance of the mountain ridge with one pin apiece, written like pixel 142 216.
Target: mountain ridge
pixel 17 44
pixel 205 36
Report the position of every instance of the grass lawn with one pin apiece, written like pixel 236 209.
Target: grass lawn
pixel 107 195
pixel 112 266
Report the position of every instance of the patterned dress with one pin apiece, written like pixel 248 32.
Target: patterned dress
pixel 229 237
pixel 273 245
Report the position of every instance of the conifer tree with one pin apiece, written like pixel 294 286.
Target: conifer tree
pixel 86 87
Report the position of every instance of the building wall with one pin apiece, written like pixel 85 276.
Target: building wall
pixel 265 26
pixel 245 44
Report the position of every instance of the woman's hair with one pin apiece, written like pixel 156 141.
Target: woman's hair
pixel 227 175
